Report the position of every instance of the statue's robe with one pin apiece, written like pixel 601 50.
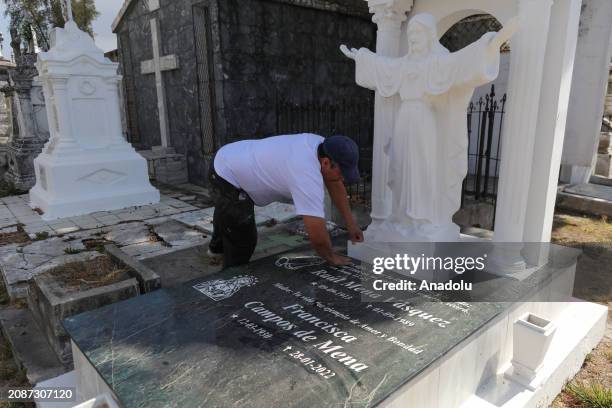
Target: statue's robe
pixel 428 147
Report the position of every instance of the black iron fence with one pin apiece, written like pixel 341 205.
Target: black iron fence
pixel 484 118
pixel 327 119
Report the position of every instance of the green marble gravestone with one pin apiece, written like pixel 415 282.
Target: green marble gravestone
pixel 284 331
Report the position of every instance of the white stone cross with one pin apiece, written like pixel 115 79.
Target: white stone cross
pixel 156 66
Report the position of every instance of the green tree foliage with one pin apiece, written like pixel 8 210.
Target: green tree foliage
pixel 38 17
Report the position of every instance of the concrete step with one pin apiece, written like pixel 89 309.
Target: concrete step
pixel 592 199
pixel 30 349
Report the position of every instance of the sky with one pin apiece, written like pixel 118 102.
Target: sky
pixel 104 37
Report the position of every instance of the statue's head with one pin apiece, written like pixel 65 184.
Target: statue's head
pixel 422 32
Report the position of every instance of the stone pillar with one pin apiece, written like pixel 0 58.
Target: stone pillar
pixel 388 16
pixel 552 115
pixel 5 112
pixel 520 125
pixel 26 143
pixel 6 124
pixel 586 106
pixel 603 166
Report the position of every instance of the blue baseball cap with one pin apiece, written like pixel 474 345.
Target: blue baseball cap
pixel 343 151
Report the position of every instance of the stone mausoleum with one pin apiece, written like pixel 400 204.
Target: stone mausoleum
pixel 198 74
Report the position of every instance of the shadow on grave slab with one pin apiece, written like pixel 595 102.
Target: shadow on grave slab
pixel 192 263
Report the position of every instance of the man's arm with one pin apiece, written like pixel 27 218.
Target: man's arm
pixel 338 195
pixel 319 238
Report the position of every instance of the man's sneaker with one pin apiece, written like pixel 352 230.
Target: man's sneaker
pixel 214 256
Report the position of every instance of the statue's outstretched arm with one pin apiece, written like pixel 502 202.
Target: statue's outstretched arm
pixel 352 53
pixel 509 29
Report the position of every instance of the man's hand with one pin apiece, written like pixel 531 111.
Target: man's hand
pixel 355 233
pixel 319 238
pixel 339 197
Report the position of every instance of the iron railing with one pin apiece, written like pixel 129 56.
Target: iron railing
pixel 485 119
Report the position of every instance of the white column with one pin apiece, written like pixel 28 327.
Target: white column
pixel 112 95
pixel 552 115
pixel 61 140
pixel 591 72
pixel 520 126
pixel 388 16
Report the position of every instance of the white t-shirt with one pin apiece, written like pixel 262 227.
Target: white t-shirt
pixel 277 168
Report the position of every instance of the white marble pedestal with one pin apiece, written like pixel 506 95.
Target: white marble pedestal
pixel 86 166
pixel 91 181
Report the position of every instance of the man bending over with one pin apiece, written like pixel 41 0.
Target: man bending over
pixel 280 168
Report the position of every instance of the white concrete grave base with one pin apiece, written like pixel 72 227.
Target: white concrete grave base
pixel 95 181
pixel 473 374
pixel 579 329
pixel 470 376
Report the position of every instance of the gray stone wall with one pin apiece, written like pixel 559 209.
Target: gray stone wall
pixel 261 49
pixel 274 49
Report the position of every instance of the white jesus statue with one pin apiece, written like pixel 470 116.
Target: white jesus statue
pixel 428 147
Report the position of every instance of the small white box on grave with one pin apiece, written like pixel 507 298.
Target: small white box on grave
pixel 86 166
pixel 532 337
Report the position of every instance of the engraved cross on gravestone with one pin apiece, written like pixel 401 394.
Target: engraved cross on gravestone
pixel 157 66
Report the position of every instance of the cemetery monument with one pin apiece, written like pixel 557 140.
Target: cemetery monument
pixel 86 166
pixel 428 152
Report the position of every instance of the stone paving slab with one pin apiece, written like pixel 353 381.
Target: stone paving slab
pixel 8 230
pixel 175 234
pixel 16 210
pixel 19 263
pixel 18 268
pixel 129 234
pixel 171 225
pixel 202 219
